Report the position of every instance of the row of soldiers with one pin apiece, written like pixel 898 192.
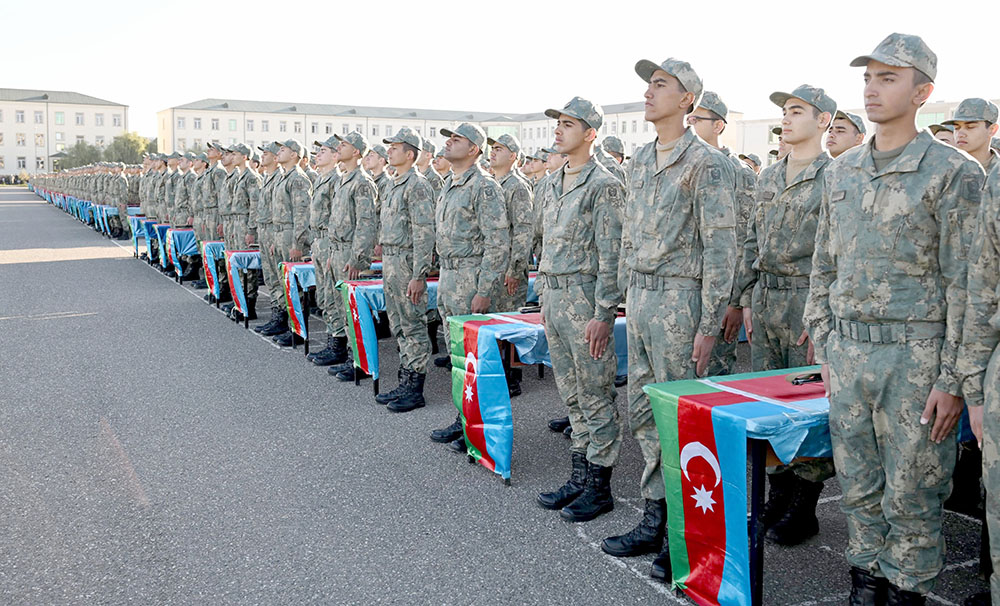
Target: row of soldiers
pixel 866 258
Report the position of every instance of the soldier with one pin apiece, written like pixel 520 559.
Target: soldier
pixel 773 284
pixel 885 308
pixel 118 195
pixel 265 236
pixel 614 147
pixel 427 152
pixel 212 188
pixel 753 161
pixel 192 186
pixel 246 194
pixel 943 133
pixel 609 162
pixel 847 131
pixel 320 215
pixel 582 208
pixel 290 217
pixel 534 168
pixel 513 292
pixel 224 230
pixel 473 240
pixel 306 166
pixel 182 215
pixel 975 123
pixel 407 240
pixel 375 162
pixel 679 245
pixel 441 164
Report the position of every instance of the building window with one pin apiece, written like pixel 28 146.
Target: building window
pixel 60 137
pixel 344 129
pixel 60 146
pixel 19 116
pixel 250 126
pixel 328 128
pixel 614 128
pixel 39 140
pixel 360 128
pixel 1 115
pixel 182 144
pixel 232 125
pixel 265 126
pixel 20 139
pixel 297 127
pixel 196 143
pixel 374 130
pixel 538 132
pixel 645 126
pixel 633 149
pixel 99 140
pixel 635 126
pixel 22 162
pixel 624 127
pixel 418 131
pixel 79 139
pixel 98 119
pixel 282 126
pixel 2 163
pixel 60 118
pixel 116 120
pixel 196 123
pixel 434 131
pixel 39 163
pixel 39 118
pixel 388 130
pixel 215 124
pixel 314 128
pixel 180 123
pixel 79 118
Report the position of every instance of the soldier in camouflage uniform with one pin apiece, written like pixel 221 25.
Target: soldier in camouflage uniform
pixel 679 259
pixel 327 297
pixel 246 194
pixel 773 284
pixel 753 162
pixel 224 229
pixel 265 236
pixel 182 215
pixel 118 196
pixel 847 131
pixel 212 188
pixel 427 153
pixel 441 164
pixel 374 163
pixel 306 164
pixel 407 240
pixel 886 302
pixel 578 286
pixel 610 163
pixel 944 134
pixel 473 240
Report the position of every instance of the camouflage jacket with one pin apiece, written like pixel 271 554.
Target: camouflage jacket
pixel 352 220
pixel 434 179
pixel 321 201
pixel 187 194
pixel 407 219
pixel 521 213
pixel 211 188
pixel 290 205
pixel 246 193
pixel 228 191
pixel 263 216
pixel 609 162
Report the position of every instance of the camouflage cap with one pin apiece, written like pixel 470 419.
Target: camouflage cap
pixel 202 156
pixel 902 50
pixel 540 155
pixel 550 150
pixel 508 141
pixel 379 149
pixel 776 131
pixel 405 135
pixel 190 155
pixel 295 146
pixel 812 95
pixel 936 128
pixel 254 156
pixel 217 146
pixel 581 109
pixel 713 103
pixel 681 70
pixel 853 119
pixel 752 157
pixel 974 110
pixel 469 131
pixel 331 142
pixel 429 146
pixel 439 153
pixel 356 140
pixel 613 145
pixel 272 147
pixel 174 156
pixel 241 148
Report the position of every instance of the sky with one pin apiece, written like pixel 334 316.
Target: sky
pixel 511 57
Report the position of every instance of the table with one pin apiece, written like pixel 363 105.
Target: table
pixel 235 261
pixel 181 242
pixel 211 252
pixel 138 229
pixel 296 277
pixel 161 236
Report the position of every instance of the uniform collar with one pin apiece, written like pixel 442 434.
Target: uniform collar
pixel 809 172
pixel 685 142
pixel 907 162
pixel 581 177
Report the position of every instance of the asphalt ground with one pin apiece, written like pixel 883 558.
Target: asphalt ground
pixel 154 452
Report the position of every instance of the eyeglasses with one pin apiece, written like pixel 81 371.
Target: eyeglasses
pixel 692 120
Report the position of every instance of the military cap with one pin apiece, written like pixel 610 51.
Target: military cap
pixel 581 109
pixel 508 141
pixel 355 139
pixel 776 130
pixel 681 70
pixel 254 156
pixel 713 103
pixel 613 145
pixel 853 119
pixel 439 153
pixel 550 150
pixel 202 156
pixel 936 128
pixel 272 147
pixel 241 148
pixel 295 146
pixel 428 146
pixel 812 95
pixel 773 152
pixel 405 135
pixel 174 156
pixel 902 50
pixel 539 155
pixel 379 149
pixel 332 142
pixel 752 157
pixel 217 146
pixel 469 131
pixel 974 110
pixel 190 155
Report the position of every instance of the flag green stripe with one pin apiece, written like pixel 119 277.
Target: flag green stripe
pixel 670 465
pixel 345 295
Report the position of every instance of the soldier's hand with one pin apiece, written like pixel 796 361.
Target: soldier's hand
pixel 731 323
pixel 702 353
pixel 249 240
pixel 810 352
pixel 271 249
pixel 824 371
pixel 354 274
pixel 294 254
pixel 976 422
pixel 511 284
pixel 946 409
pixel 190 221
pixel 415 289
pixel 597 334
pixel 748 323
pixel 480 305
pixel 378 251
pixel 218 230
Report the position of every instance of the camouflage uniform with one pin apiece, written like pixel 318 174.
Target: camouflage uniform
pixel 290 216
pixel 352 231
pixel 265 236
pixel 520 211
pixel 319 222
pixel 226 213
pixel 885 307
pixel 212 187
pixel 246 193
pixel 434 180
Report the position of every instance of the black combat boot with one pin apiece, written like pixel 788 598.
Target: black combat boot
pixel 287 339
pixel 326 349
pixel 568 492
pixel 867 589
pixel 799 522
pixel 350 373
pixel 449 433
pixel 559 424
pixel 660 569
pixel 442 362
pixel 458 445
pixel 781 488
pixel 978 599
pixel 514 376
pixel 647 537
pixel 596 496
pixel 900 597
pixel 228 308
pixel 275 311
pixel 280 325
pixel 237 315
pixel 413 396
pixel 390 396
pixel 336 355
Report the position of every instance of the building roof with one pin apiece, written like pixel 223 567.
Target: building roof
pixel 51 96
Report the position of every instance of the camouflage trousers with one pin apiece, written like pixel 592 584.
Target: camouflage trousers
pixel 210 223
pixel 894 478
pixel 991 465
pixel 777 326
pixel 506 302
pixel 723 360
pixel 456 288
pixel 661 328
pixel 126 225
pixel 407 321
pixel 329 260
pixel 282 239
pixel 586 385
pixel 269 266
pixel 235 230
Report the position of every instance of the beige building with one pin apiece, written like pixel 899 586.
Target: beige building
pixel 34 124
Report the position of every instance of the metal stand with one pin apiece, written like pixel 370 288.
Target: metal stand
pixel 246 312
pixel 758 466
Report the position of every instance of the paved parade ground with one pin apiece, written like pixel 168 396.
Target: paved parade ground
pixel 154 452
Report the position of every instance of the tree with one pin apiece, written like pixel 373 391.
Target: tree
pixel 80 154
pixel 151 147
pixel 127 148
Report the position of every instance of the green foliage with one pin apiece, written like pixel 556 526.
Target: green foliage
pixel 79 155
pixel 127 148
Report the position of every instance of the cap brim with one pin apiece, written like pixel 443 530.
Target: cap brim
pixel 447 133
pixel 779 98
pixel 743 157
pixel 392 140
pixel 863 60
pixel 490 141
pixel 645 68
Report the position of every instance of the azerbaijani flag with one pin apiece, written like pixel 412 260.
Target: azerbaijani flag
pixel 361 325
pixel 703 438
pixel 210 251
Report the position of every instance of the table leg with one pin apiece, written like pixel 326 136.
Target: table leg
pixel 758 466
pixel 375 386
pixel 541 371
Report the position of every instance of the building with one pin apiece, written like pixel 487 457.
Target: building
pixel 34 124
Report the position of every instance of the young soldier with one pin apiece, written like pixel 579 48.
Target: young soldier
pixel 679 245
pixel 265 235
pixel 327 298
pixel 847 131
pixel 306 164
pixel 427 152
pixel 375 162
pixel 473 240
pixel 975 123
pixel 886 301
pixel 944 134
pixel 246 193
pixel 773 285
pixel 582 208
pixel 441 164
pixel 753 161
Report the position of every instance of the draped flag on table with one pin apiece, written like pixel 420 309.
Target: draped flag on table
pixel 361 330
pixel 210 252
pixel 170 248
pixel 297 319
pixel 703 437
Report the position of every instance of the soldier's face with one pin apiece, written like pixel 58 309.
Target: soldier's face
pixel 500 156
pixel 665 97
pixel 890 92
pixel 426 156
pixel 366 162
pixel 213 154
pixel 184 164
pixel 284 155
pixel 267 158
pixel 841 137
pixel 346 151
pixel 799 122
pixel 458 148
pixel 440 164
pixel 555 162
pixel 945 136
pixel 326 157
pixel 571 134
pixel 705 124
pixel 398 155
pixel 973 137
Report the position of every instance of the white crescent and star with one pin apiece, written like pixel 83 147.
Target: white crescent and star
pixel 702 497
